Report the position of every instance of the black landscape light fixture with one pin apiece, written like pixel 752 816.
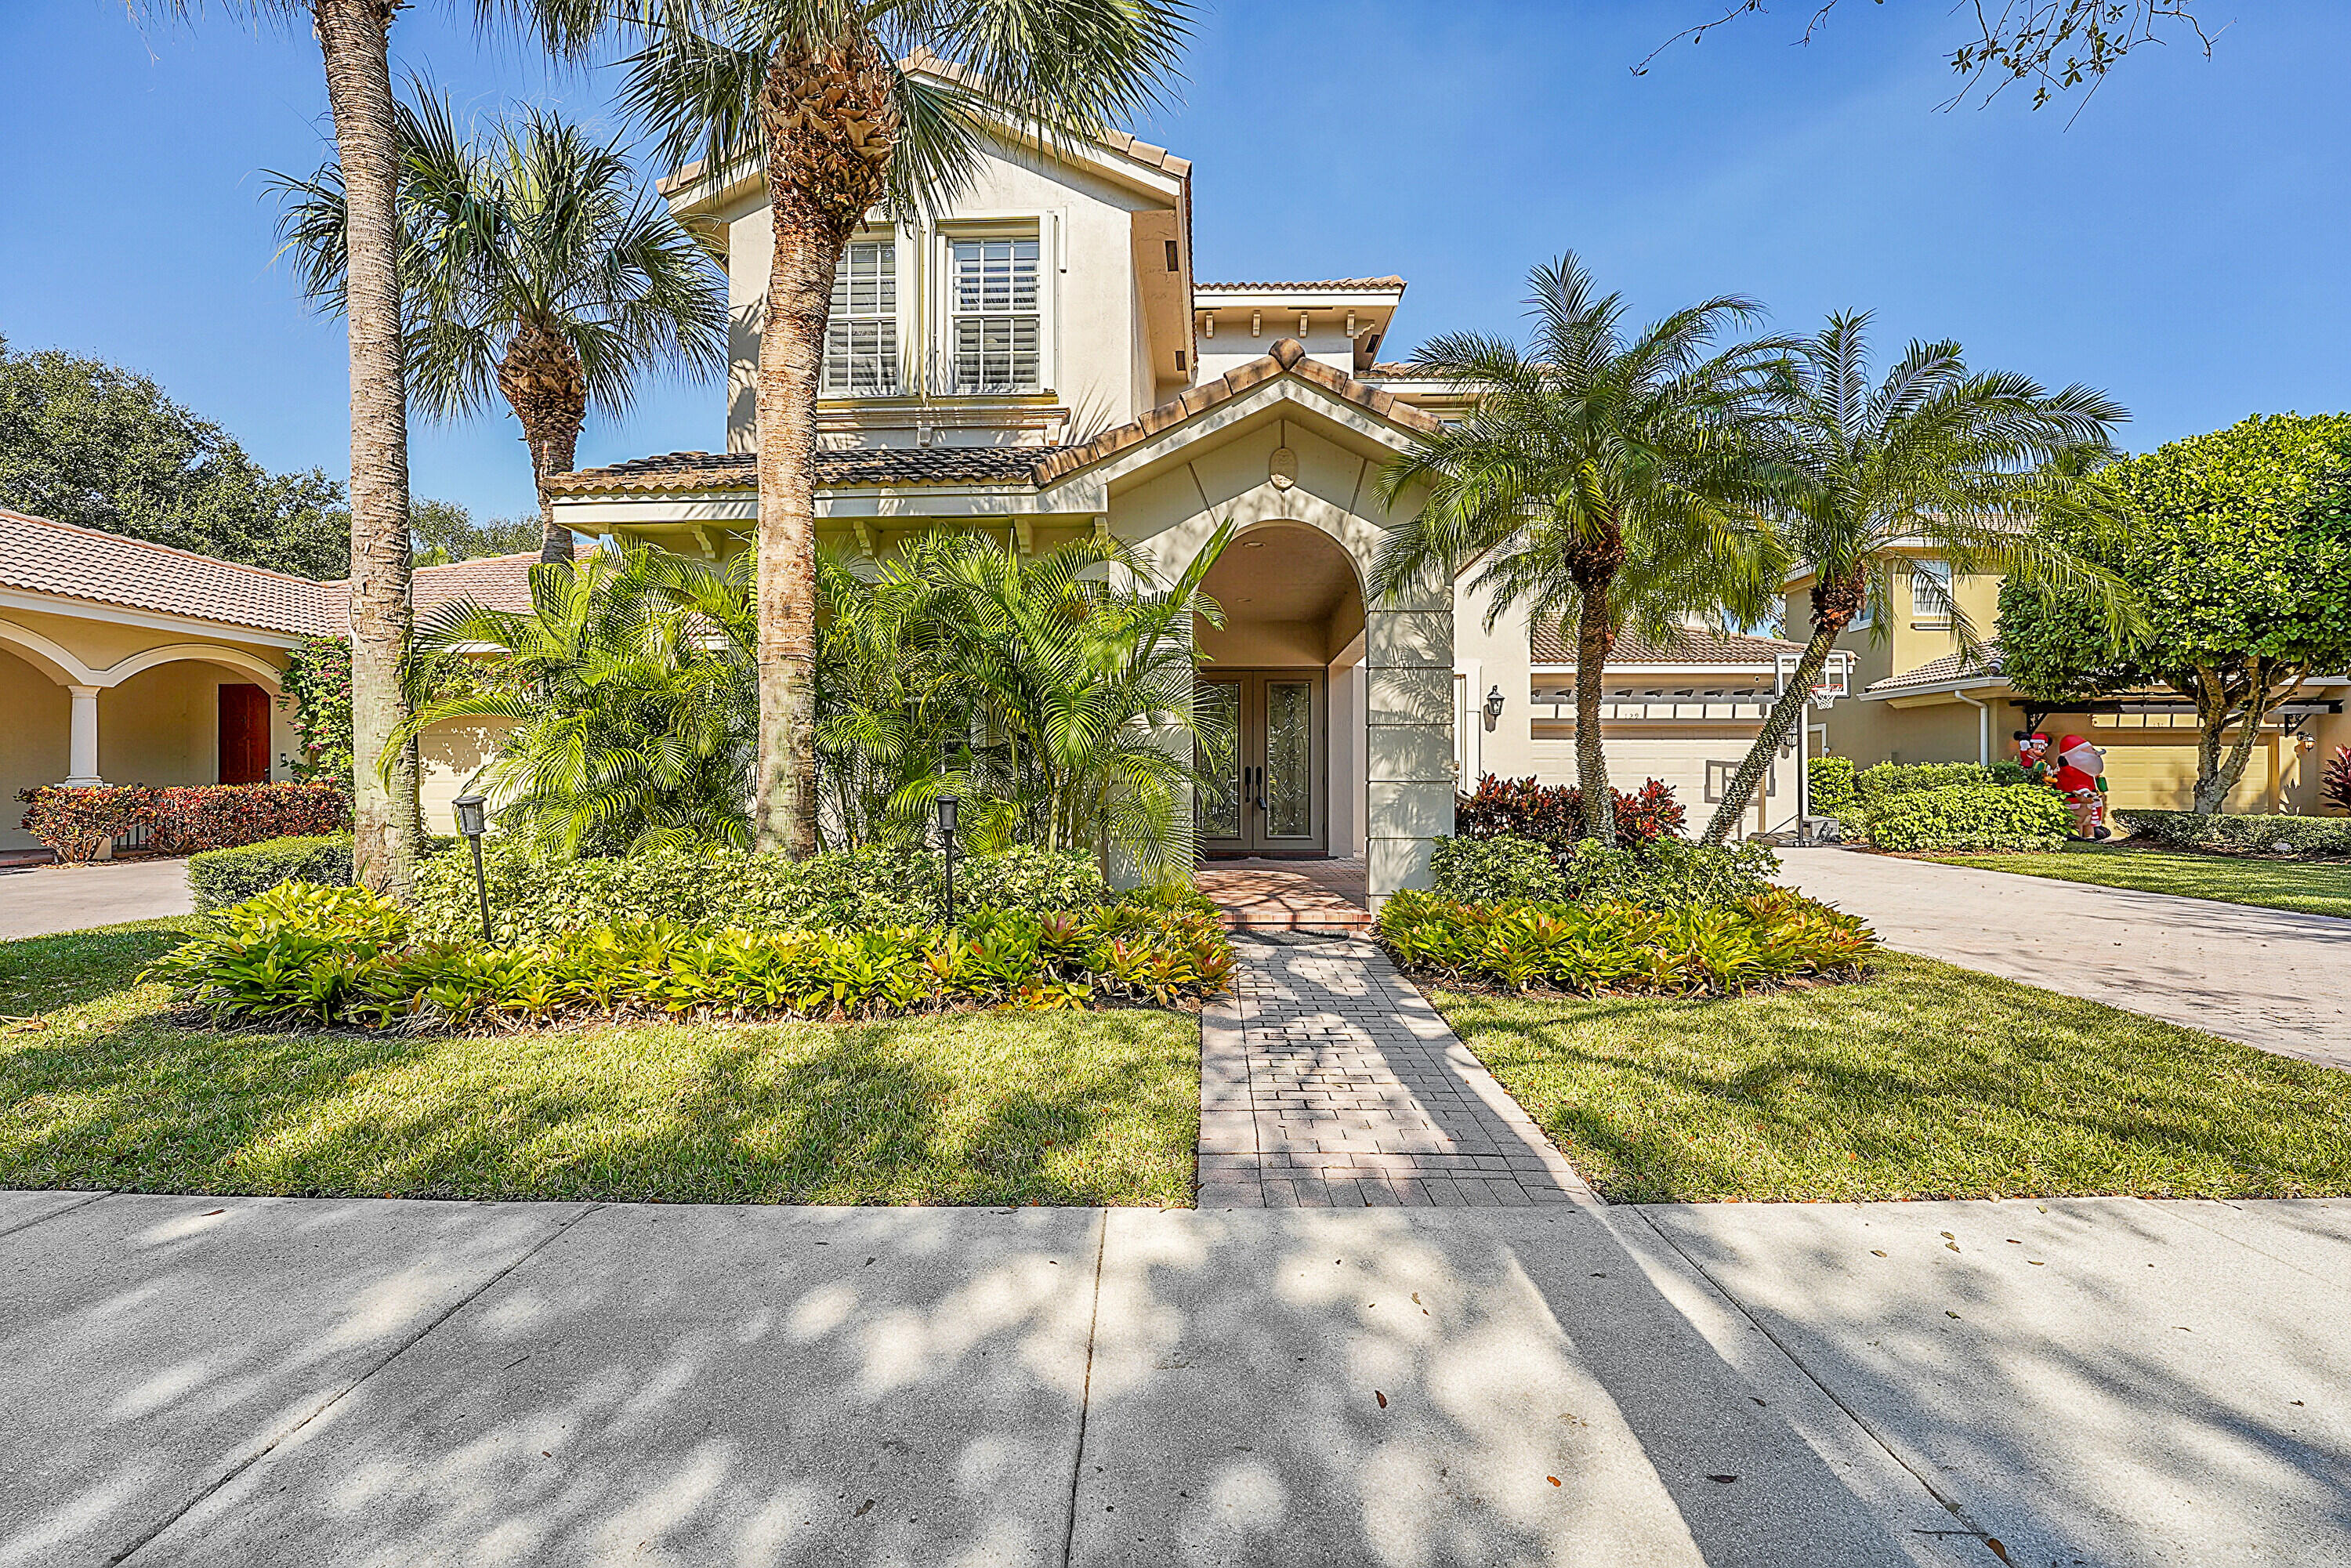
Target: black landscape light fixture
pixel 1494 707
pixel 472 821
pixel 948 805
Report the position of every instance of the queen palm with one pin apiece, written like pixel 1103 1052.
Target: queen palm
pixel 1605 478
pixel 1935 456
pixel 537 269
pixel 354 43
pixel 833 98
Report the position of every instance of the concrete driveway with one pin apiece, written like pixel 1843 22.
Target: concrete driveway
pixel 267 1382
pixel 2268 978
pixel 37 900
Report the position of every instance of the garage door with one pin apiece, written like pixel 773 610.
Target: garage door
pixel 2162 778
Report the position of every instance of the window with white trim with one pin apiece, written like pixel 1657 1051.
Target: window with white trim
pixel 995 330
pixel 861 342
pixel 1930 591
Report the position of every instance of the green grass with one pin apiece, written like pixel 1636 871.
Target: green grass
pixel 1925 1081
pixel 2308 888
pixel 100 1087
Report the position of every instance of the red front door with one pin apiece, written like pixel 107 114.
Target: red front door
pixel 244 734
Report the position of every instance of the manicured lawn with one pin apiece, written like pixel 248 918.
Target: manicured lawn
pixel 99 1088
pixel 1924 1081
pixel 2310 887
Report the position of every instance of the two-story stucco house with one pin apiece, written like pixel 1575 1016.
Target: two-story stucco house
pixel 1919 699
pixel 1039 361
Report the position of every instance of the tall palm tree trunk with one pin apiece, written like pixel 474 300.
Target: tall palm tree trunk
pixel 1592 641
pixel 1787 711
pixel 354 39
pixel 541 381
pixel 1834 605
pixel 830 121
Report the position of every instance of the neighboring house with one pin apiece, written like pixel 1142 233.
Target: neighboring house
pixel 123 662
pixel 1921 698
pixel 1039 361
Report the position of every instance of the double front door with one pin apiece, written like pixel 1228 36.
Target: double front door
pixel 1262 750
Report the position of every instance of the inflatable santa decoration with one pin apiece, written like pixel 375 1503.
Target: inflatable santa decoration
pixel 2081 777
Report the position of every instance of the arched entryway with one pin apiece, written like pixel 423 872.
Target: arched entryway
pixel 1281 693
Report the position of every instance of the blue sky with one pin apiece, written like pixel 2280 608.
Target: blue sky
pixel 2181 244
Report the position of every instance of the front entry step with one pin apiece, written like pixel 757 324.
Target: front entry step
pixel 1313 897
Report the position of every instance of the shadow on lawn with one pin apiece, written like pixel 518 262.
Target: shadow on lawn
pixel 1922 1081
pixel 968 1109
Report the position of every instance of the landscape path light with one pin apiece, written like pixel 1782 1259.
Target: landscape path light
pixel 948 805
pixel 472 821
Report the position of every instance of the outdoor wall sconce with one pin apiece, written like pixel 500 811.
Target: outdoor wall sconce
pixel 472 821
pixel 1494 707
pixel 948 807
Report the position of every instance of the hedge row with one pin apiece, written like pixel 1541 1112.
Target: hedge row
pixel 1765 940
pixel 75 823
pixel 1970 817
pixel 1668 874
pixel 345 956
pixel 1552 814
pixel 222 877
pixel 533 899
pixel 2243 835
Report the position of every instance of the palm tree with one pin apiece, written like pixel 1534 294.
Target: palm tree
pixel 535 267
pixel 628 688
pixel 354 42
pixel 1604 479
pixel 1934 456
pixel 1059 704
pixel 844 105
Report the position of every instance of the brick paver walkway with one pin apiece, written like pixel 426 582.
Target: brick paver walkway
pixel 1326 1079
pixel 1326 896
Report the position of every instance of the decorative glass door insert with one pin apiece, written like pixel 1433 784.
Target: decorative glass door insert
pixel 1262 754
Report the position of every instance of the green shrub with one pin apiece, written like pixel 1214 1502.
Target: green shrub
pixel 1487 871
pixel 1763 940
pixel 532 898
pixel 1179 897
pixel 1970 817
pixel 1873 786
pixel 346 956
pixel 219 877
pixel 1829 785
pixel 2323 836
pixel 1670 873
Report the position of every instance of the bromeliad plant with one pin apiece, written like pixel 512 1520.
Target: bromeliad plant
pixel 1764 940
pixel 299 955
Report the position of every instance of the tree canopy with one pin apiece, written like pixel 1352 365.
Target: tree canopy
pixel 444 531
pixel 2237 545
pixel 99 446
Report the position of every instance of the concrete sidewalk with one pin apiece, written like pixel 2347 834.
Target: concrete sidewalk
pixel 269 1382
pixel 35 901
pixel 2268 978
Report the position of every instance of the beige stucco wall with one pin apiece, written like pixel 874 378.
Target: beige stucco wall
pixel 451 752
pixel 1519 744
pixel 1096 364
pixel 32 720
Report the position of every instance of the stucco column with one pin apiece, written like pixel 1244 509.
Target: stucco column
pixel 81 741
pixel 1408 733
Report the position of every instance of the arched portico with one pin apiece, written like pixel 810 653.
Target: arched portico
pixel 1280 689
pixel 152 715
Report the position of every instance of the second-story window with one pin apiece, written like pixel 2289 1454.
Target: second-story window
pixel 860 344
pixel 994 323
pixel 1930 591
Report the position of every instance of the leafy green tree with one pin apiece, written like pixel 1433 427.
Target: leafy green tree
pixel 537 270
pixel 2237 549
pixel 845 106
pixel 1605 478
pixel 1933 454
pixel 99 446
pixel 628 689
pixel 441 532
